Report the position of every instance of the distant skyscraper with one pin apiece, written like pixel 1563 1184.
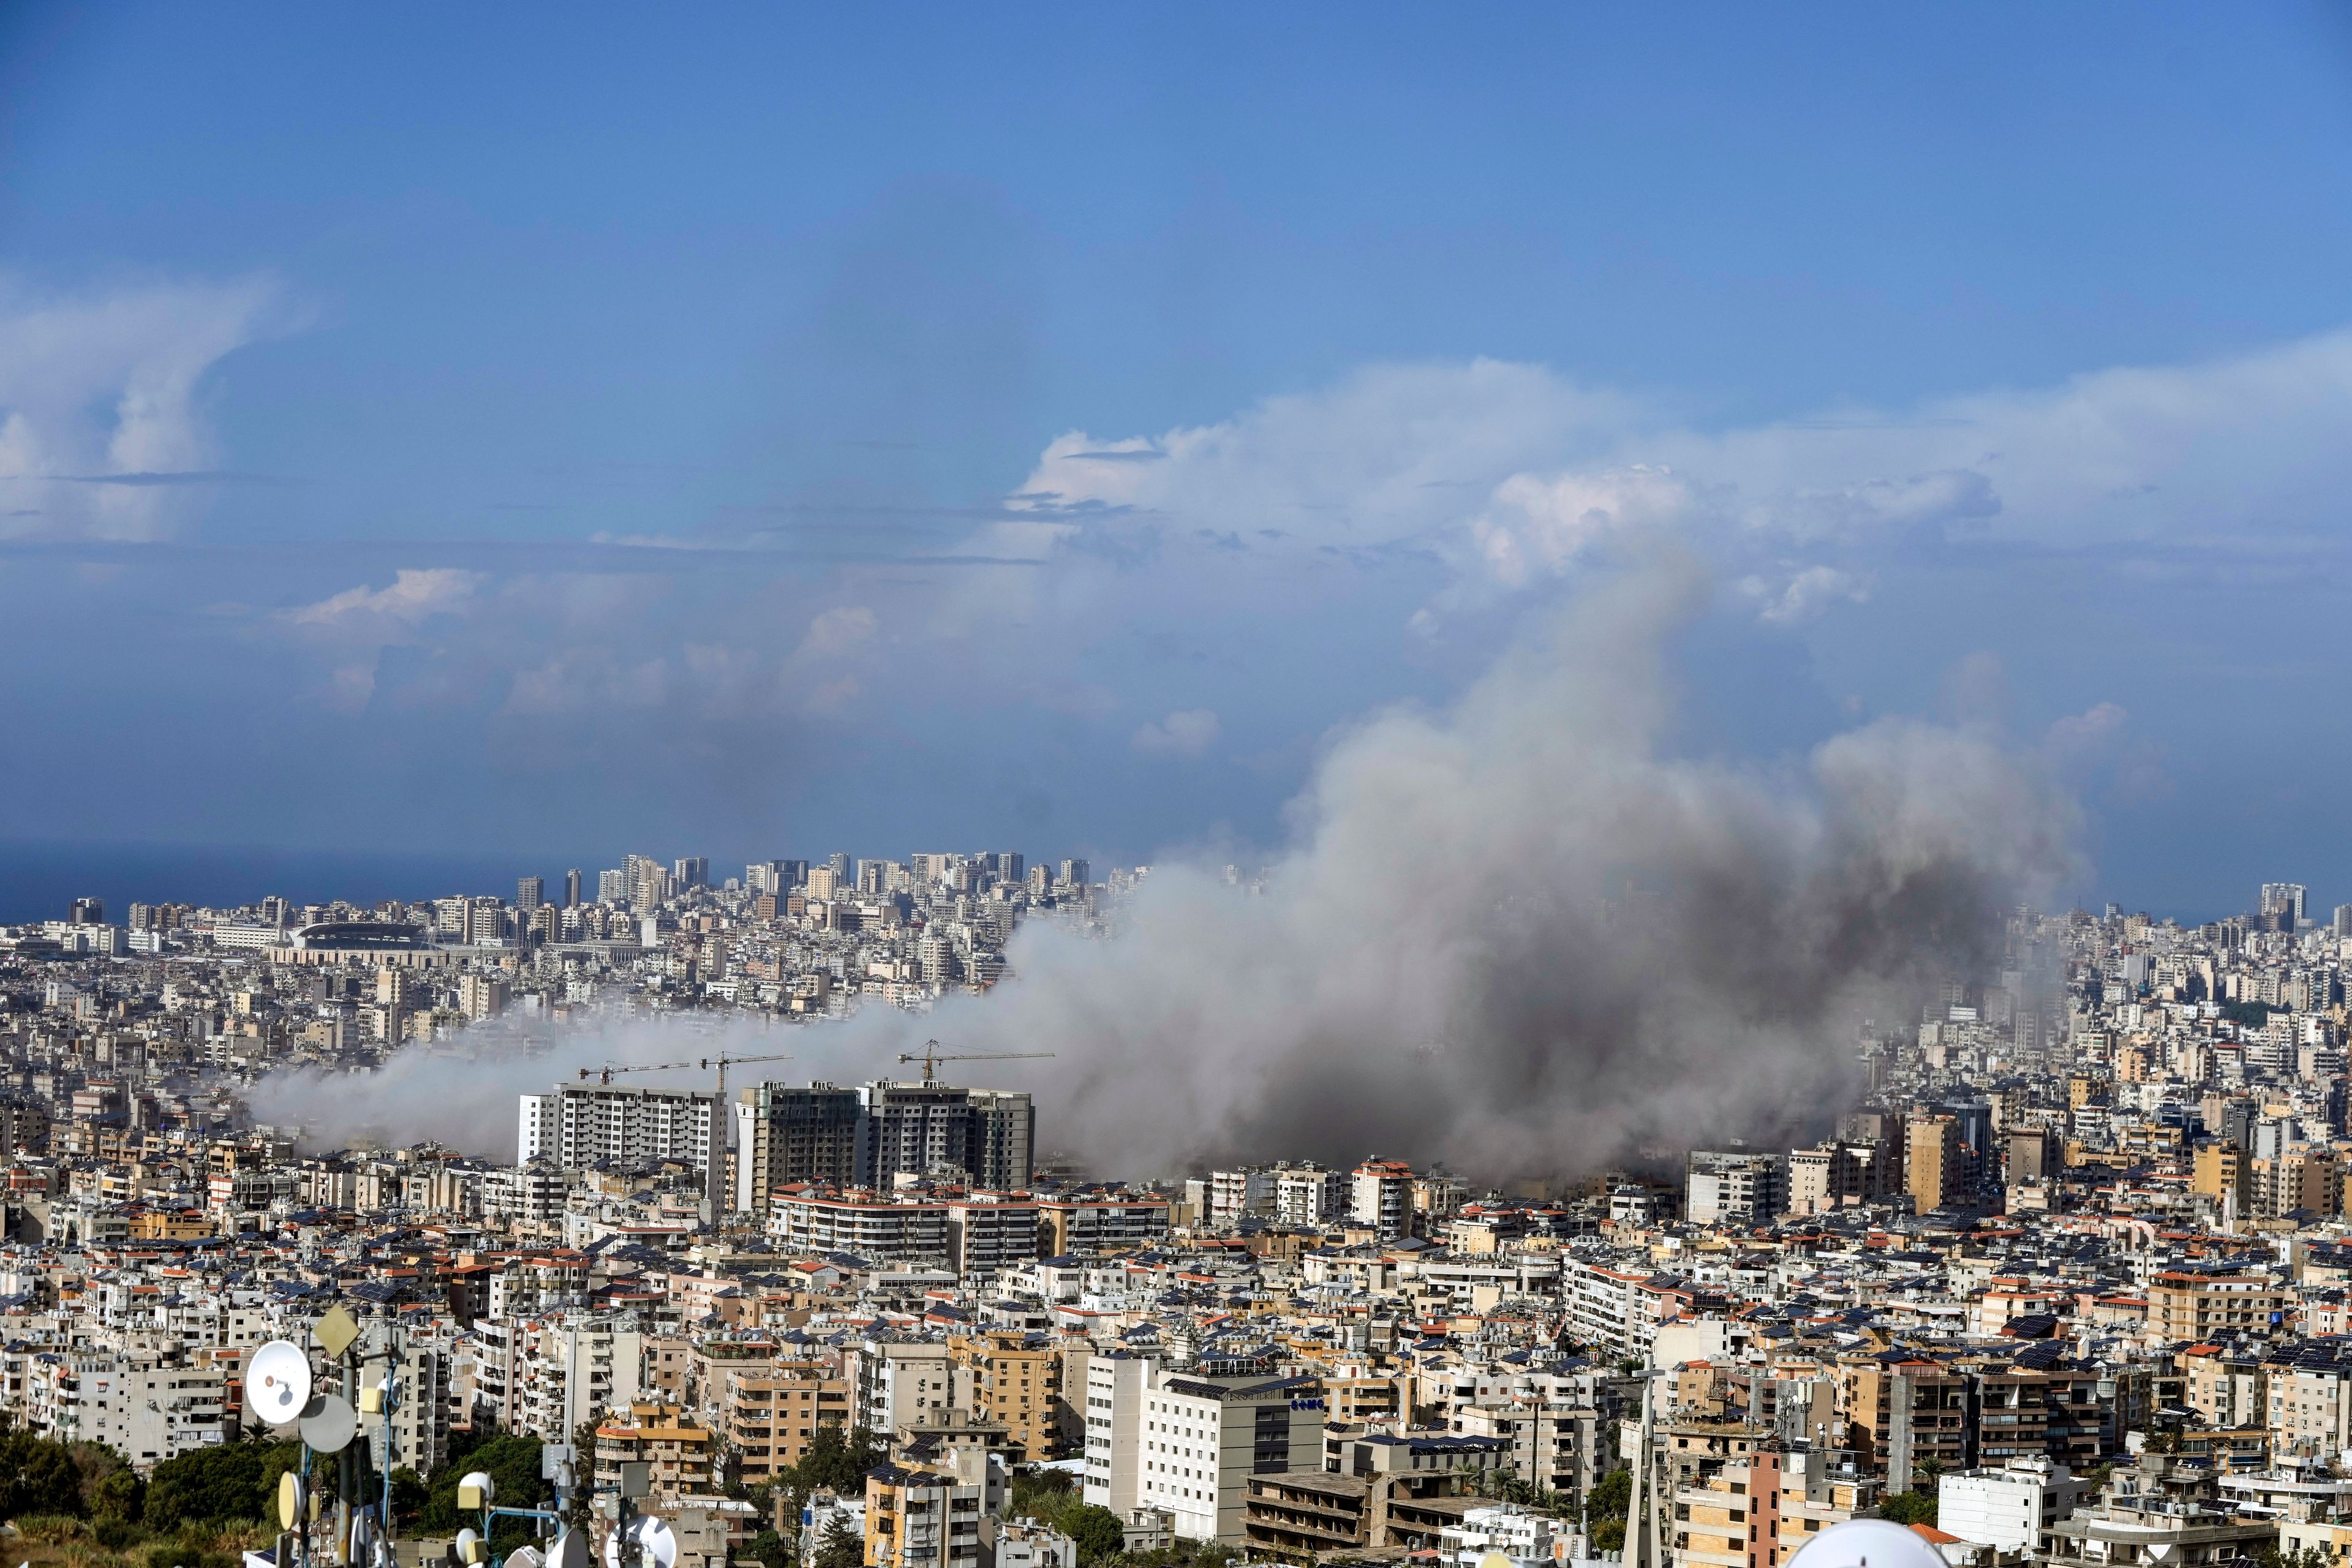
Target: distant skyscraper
pixel 690 871
pixel 842 871
pixel 2343 920
pixel 649 882
pixel 1076 872
pixel 530 892
pixel 612 887
pixel 571 889
pixel 87 913
pixel 2285 902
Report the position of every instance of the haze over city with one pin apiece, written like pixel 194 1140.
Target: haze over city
pixel 922 787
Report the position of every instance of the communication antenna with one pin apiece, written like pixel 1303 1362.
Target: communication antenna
pixel 328 1424
pixel 571 1550
pixel 278 1383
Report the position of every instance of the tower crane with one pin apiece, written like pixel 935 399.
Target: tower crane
pixel 714 1179
pixel 932 1056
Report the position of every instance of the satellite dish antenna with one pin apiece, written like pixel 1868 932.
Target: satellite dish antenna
pixel 475 1489
pixel 469 1546
pixel 290 1499
pixel 524 1557
pixel 659 1542
pixel 1867 1543
pixel 328 1423
pixel 278 1383
pixel 571 1550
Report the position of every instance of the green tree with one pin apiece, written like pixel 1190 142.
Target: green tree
pixel 511 1461
pixel 769 1550
pixel 119 1495
pixel 39 1477
pixel 1909 1508
pixel 1098 1531
pixel 228 1483
pixel 839 1546
pixel 1605 1507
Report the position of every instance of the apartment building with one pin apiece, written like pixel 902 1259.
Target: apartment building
pixel 771 1413
pixel 678 1454
pixel 2212 1303
pixel 1015 1379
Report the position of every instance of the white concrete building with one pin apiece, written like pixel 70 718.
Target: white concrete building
pixel 2008 1508
pixel 578 1125
pixel 1114 1414
pixel 1195 1442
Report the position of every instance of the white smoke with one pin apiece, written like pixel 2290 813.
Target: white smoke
pixel 1514 933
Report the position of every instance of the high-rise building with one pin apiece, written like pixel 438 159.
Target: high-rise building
pixel 838 862
pixel 579 1124
pixel 2344 920
pixel 649 882
pixel 87 913
pixel 690 871
pixel 914 1129
pixel 868 1135
pixel 612 887
pixel 571 889
pixel 784 1133
pixel 2283 901
pixel 1076 872
pixel 481 997
pixel 1743 1188
pixel 1933 1163
pixel 1308 1194
pixel 531 891
pixel 821 883
pixel 1381 1197
pixel 1006 866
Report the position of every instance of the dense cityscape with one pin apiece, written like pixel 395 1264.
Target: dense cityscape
pixel 2067 1282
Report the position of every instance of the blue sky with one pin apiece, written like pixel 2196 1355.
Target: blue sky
pixel 762 431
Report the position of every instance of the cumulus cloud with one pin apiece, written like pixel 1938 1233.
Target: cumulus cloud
pixel 1510 476
pixel 1805 594
pixel 838 630
pixel 1187 732
pixel 101 434
pixel 412 595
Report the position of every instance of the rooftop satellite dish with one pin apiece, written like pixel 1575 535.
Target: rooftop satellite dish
pixel 524 1557
pixel 278 1383
pixel 475 1489
pixel 468 1546
pixel 659 1542
pixel 290 1499
pixel 1867 1543
pixel 328 1423
pixel 570 1551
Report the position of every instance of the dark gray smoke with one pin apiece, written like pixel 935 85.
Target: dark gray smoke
pixel 1516 936
pixel 1513 934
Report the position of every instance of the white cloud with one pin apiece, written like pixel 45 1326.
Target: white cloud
pixel 386 613
pixel 101 432
pixel 1804 594
pixel 1542 527
pixel 1507 476
pixel 1187 732
pixel 838 630
pixel 587 680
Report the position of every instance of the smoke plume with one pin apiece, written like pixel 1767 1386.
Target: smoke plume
pixel 1517 934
